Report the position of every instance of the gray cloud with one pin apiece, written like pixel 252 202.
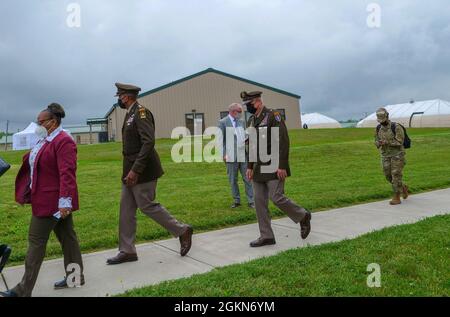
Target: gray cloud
pixel 321 50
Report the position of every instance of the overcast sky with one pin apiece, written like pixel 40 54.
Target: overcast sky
pixel 322 50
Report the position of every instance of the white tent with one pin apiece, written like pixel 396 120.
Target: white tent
pixel 26 139
pixel 420 114
pixel 318 121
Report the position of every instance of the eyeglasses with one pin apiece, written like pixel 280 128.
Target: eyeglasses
pixel 42 121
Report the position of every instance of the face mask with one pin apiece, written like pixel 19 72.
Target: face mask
pixel 251 108
pixel 41 132
pixel 121 104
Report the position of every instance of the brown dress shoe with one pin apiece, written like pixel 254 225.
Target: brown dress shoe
pixel 186 241
pixel 305 225
pixel 122 257
pixel 405 192
pixel 260 242
pixel 395 200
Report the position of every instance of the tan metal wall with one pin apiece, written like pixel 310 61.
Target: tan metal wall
pixel 8 147
pixel 324 126
pixel 84 138
pixel 210 94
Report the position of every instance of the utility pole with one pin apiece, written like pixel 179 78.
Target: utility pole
pixel 6 137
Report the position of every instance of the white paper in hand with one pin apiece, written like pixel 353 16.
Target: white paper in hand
pixel 57 215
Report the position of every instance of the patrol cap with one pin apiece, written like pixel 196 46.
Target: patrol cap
pixel 382 115
pixel 246 96
pixel 127 89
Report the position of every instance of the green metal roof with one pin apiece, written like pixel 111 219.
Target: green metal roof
pixel 209 70
pixel 97 121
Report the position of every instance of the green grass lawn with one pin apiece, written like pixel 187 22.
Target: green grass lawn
pixel 331 168
pixel 414 261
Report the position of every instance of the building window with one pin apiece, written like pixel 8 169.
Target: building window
pixel 223 114
pixel 195 122
pixel 283 113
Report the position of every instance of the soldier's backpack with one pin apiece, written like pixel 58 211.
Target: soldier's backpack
pixel 406 140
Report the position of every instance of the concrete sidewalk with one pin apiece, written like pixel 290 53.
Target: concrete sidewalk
pixel 160 261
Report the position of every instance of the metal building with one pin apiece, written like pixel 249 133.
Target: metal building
pixel 204 97
pixel 319 121
pixel 88 134
pixel 415 114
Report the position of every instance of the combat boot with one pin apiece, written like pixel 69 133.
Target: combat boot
pixel 405 192
pixel 396 199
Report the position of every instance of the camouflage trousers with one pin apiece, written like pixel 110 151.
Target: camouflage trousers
pixel 393 170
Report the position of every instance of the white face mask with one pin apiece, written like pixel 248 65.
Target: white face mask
pixel 41 132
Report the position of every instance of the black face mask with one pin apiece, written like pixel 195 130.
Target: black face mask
pixel 121 104
pixel 250 108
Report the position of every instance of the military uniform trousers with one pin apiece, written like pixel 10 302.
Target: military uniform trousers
pixel 39 233
pixel 142 196
pixel 393 171
pixel 233 169
pixel 273 190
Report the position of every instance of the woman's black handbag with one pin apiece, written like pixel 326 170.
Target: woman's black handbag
pixel 4 167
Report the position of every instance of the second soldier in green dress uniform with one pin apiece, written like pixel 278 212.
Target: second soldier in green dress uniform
pixel 271 185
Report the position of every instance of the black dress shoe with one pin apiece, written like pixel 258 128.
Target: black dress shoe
pixel 251 205
pixel 186 241
pixel 235 205
pixel 63 283
pixel 8 294
pixel 122 257
pixel 260 242
pixel 305 225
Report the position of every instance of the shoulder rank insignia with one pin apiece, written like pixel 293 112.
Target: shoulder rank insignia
pixel 142 113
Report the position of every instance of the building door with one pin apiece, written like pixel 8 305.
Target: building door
pixel 103 137
pixel 415 121
pixel 195 122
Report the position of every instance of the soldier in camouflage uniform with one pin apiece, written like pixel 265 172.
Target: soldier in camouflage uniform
pixel 390 142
